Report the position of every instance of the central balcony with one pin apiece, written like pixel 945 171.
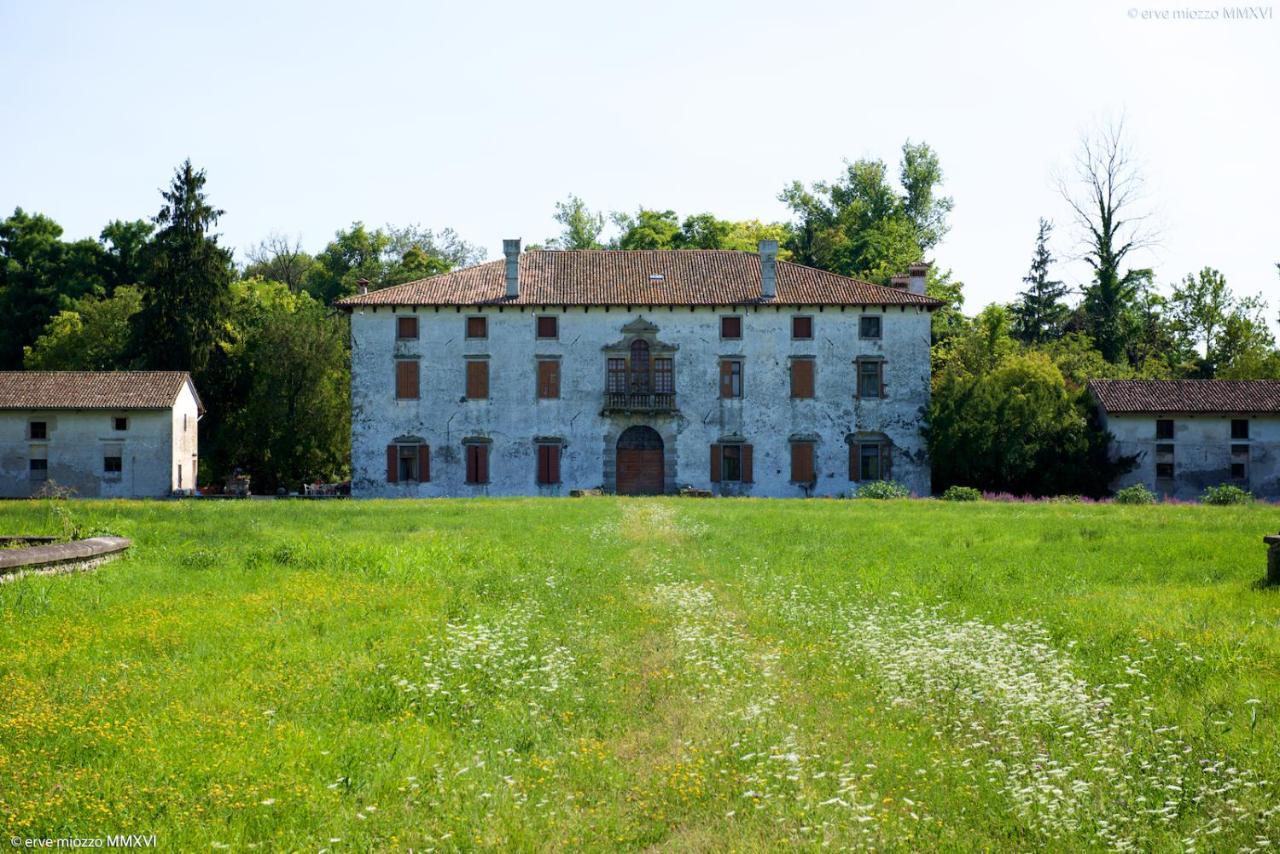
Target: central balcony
pixel 631 401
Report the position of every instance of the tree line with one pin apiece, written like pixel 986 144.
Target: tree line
pixel 271 357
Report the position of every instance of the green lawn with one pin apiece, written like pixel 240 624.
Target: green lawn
pixel 612 673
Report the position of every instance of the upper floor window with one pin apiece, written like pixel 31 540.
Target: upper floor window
pixel 802 378
pixel 407 379
pixel 406 328
pixel 870 378
pixel 1164 428
pixel 548 326
pixel 869 326
pixel 730 378
pixel 38 430
pixel 664 376
pixel 477 327
pixel 731 326
pixel 616 380
pixel 1240 428
pixel 477 379
pixel 548 379
pixel 640 366
pixel 120 423
pixel 802 328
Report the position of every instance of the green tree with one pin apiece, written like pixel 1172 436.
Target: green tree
pixel 277 258
pixel 186 287
pixel 1040 314
pixel 125 256
pixel 647 229
pixel 1215 324
pixel 580 226
pixel 984 343
pixel 92 335
pixel 1018 429
pixel 1104 201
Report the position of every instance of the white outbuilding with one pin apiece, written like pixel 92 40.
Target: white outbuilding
pixel 108 434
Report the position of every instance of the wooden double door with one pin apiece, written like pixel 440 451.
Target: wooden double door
pixel 639 462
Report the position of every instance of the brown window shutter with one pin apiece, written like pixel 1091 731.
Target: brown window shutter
pixel 855 460
pixel 482 458
pixel 726 378
pixel 801 462
pixel 407 379
pixel 747 474
pixel 471 463
pixel 886 461
pixel 715 463
pixel 424 463
pixel 548 379
pixel 883 386
pixel 802 378
pixel 477 379
pixel 406 327
pixel 554 458
pixel 393 468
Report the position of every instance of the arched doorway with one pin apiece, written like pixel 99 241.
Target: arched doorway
pixel 639 468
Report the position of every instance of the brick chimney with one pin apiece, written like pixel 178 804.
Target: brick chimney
pixel 511 249
pixel 917 273
pixel 768 269
pixel 362 286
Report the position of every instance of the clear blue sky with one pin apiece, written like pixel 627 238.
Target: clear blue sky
pixel 480 116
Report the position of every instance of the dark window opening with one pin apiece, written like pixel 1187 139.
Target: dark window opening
pixel 731 326
pixel 869 327
pixel 664 378
pixel 869 462
pixel 407 461
pixel 39 430
pixel 120 423
pixel 640 366
pixel 39 469
pixel 1240 428
pixel 477 463
pixel 548 327
pixel 1237 471
pixel 731 462
pixel 1164 471
pixel 112 465
pixel 1164 428
pixel 616 381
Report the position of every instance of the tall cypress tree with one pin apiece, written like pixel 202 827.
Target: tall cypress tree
pixel 186 293
pixel 1041 313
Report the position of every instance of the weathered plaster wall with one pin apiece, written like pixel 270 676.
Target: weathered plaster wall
pixel 1202 452
pixel 766 416
pixel 79 439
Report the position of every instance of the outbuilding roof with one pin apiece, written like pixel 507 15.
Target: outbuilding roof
pixel 638 277
pixel 92 389
pixel 1237 397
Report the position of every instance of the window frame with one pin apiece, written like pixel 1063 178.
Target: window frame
pixel 731 452
pixel 861 364
pixel 476 459
pixel 735 373
pixel 117 421
pixel 401 320
pixel 1242 433
pixel 399 379
pixel 862 327
pixel 119 464
pixel 44 430
pixel 863 447
pixel 731 318
pixel 467 380
pixel 813 377
pixel 483 321
pixel 801 317
pixel 793 446
pixel 547 389
pixel 549 456
pixel 1161 432
pixel 555 327
pixel 43 468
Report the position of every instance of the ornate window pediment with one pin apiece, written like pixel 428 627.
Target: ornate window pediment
pixel 642 330
pixel 640 370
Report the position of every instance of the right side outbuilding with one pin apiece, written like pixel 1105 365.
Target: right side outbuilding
pixel 1191 434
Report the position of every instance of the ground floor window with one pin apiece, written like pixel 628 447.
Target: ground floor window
pixel 869 462
pixel 1164 461
pixel 408 462
pixel 114 464
pixel 1240 461
pixel 39 470
pixel 802 467
pixel 477 463
pixel 731 463
pixel 548 464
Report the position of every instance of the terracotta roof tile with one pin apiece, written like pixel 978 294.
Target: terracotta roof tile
pixel 630 277
pixel 1198 396
pixel 90 389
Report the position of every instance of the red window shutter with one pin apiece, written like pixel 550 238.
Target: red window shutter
pixel 424 463
pixel 406 327
pixel 477 379
pixel 544 464
pixel 482 458
pixel 886 461
pixel 747 474
pixel 802 378
pixel 801 462
pixel 726 378
pixel 855 460
pixel 393 467
pixel 549 457
pixel 715 463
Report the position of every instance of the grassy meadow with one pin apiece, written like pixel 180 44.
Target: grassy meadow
pixel 621 674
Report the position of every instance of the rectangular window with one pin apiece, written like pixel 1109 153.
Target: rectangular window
pixel 802 328
pixel 548 379
pixel 112 465
pixel 548 464
pixel 406 328
pixel 731 462
pixel 869 326
pixel 1164 428
pixel 407 379
pixel 870 379
pixel 802 470
pixel 1240 461
pixel 477 327
pixel 1238 471
pixel 664 377
pixel 802 379
pixel 1164 449
pixel 548 326
pixel 120 423
pixel 408 463
pixel 1164 471
pixel 407 459
pixel 477 463
pixel 38 430
pixel 869 461
pixel 1239 428
pixel 731 326
pixel 731 378
pixel 616 381
pixel 477 379
pixel 39 469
